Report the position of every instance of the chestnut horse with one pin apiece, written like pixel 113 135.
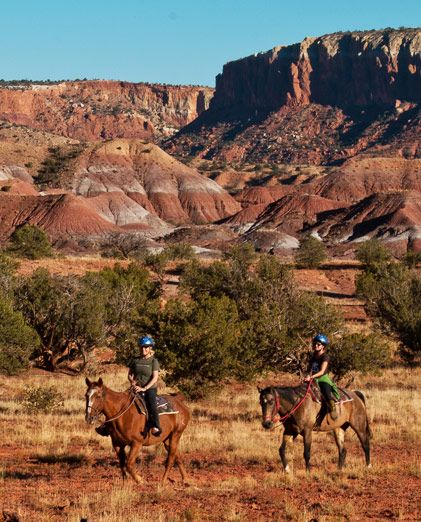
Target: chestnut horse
pixel 127 427
pixel 300 415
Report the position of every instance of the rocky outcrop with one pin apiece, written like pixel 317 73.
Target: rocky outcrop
pixel 317 102
pixel 345 70
pixel 388 215
pixel 92 110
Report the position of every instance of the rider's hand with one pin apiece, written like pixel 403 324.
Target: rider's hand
pixel 138 389
pixel 307 379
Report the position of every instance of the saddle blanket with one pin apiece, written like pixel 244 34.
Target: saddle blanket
pixel 316 394
pixel 165 407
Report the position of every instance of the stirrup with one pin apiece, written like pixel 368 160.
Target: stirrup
pixel 156 432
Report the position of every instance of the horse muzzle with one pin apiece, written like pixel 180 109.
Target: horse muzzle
pixel 90 419
pixel 267 424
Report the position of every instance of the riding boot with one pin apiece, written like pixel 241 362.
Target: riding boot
pixel 332 409
pixel 103 430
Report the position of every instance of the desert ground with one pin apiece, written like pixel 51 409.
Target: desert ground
pixel 55 466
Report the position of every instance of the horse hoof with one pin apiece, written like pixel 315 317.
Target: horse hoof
pixel 287 469
pixel 369 466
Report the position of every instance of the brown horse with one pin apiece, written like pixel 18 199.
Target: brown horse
pixel 127 426
pixel 301 415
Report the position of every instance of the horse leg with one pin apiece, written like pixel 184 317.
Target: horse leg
pixel 287 441
pixel 359 423
pixel 307 436
pixel 172 456
pixel 121 454
pixel 339 434
pixel 178 461
pixel 131 461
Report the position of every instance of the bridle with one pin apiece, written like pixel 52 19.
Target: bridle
pixel 98 412
pixel 274 416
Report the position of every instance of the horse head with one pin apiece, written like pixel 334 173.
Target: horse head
pixel 94 400
pixel 269 401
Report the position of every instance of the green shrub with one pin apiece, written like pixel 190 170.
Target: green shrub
pixel 17 340
pixel 42 399
pixel 197 343
pixel 358 352
pixel 372 252
pixel 30 242
pixel 393 297
pixel 311 253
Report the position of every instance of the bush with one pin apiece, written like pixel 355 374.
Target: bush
pixel 17 339
pixel 8 268
pixel 30 242
pixel 393 295
pixel 358 352
pixel 311 253
pixel 197 343
pixel 372 252
pixel 40 399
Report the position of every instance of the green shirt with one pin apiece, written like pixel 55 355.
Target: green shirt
pixel 142 369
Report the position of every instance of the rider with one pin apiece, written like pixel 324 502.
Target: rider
pixel 317 370
pixel 143 375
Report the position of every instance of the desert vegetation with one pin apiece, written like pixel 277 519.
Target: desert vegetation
pixel 234 323
pixel 55 467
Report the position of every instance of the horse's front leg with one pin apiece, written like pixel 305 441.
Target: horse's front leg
pixel 131 461
pixel 287 440
pixel 121 454
pixel 307 435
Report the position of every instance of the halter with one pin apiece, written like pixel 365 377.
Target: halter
pixel 276 417
pixel 122 412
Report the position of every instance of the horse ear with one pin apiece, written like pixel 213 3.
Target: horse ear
pixel 100 383
pixel 259 389
pixel 87 381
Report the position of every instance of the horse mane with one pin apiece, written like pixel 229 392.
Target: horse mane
pixel 291 393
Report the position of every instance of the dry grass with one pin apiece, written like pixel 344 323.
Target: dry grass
pixel 225 448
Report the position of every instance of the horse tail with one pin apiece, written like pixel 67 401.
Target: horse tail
pixel 368 431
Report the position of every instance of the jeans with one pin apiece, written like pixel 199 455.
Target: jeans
pixel 326 390
pixel 150 399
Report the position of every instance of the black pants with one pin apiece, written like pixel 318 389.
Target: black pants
pixel 150 399
pixel 326 390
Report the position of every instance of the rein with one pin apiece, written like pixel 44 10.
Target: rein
pixel 294 408
pixel 121 413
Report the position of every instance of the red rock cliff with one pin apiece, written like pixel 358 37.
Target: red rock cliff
pixel 342 69
pixel 91 110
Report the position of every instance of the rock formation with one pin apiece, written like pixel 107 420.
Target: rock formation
pixel 93 110
pixel 320 101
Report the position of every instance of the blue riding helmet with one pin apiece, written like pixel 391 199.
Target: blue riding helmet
pixel 146 341
pixel 321 338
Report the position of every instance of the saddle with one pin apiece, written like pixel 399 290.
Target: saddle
pixel 317 396
pixel 165 407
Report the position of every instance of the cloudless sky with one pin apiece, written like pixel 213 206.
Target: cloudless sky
pixel 177 41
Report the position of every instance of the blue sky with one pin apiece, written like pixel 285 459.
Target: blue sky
pixel 178 41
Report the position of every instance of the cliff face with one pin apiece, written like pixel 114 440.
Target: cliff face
pixel 91 110
pixel 346 70
pixel 317 102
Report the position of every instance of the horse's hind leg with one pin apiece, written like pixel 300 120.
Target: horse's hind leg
pixel 359 423
pixel 178 461
pixel 172 448
pixel 339 434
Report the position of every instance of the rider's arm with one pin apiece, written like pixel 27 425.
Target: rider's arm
pixel 322 371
